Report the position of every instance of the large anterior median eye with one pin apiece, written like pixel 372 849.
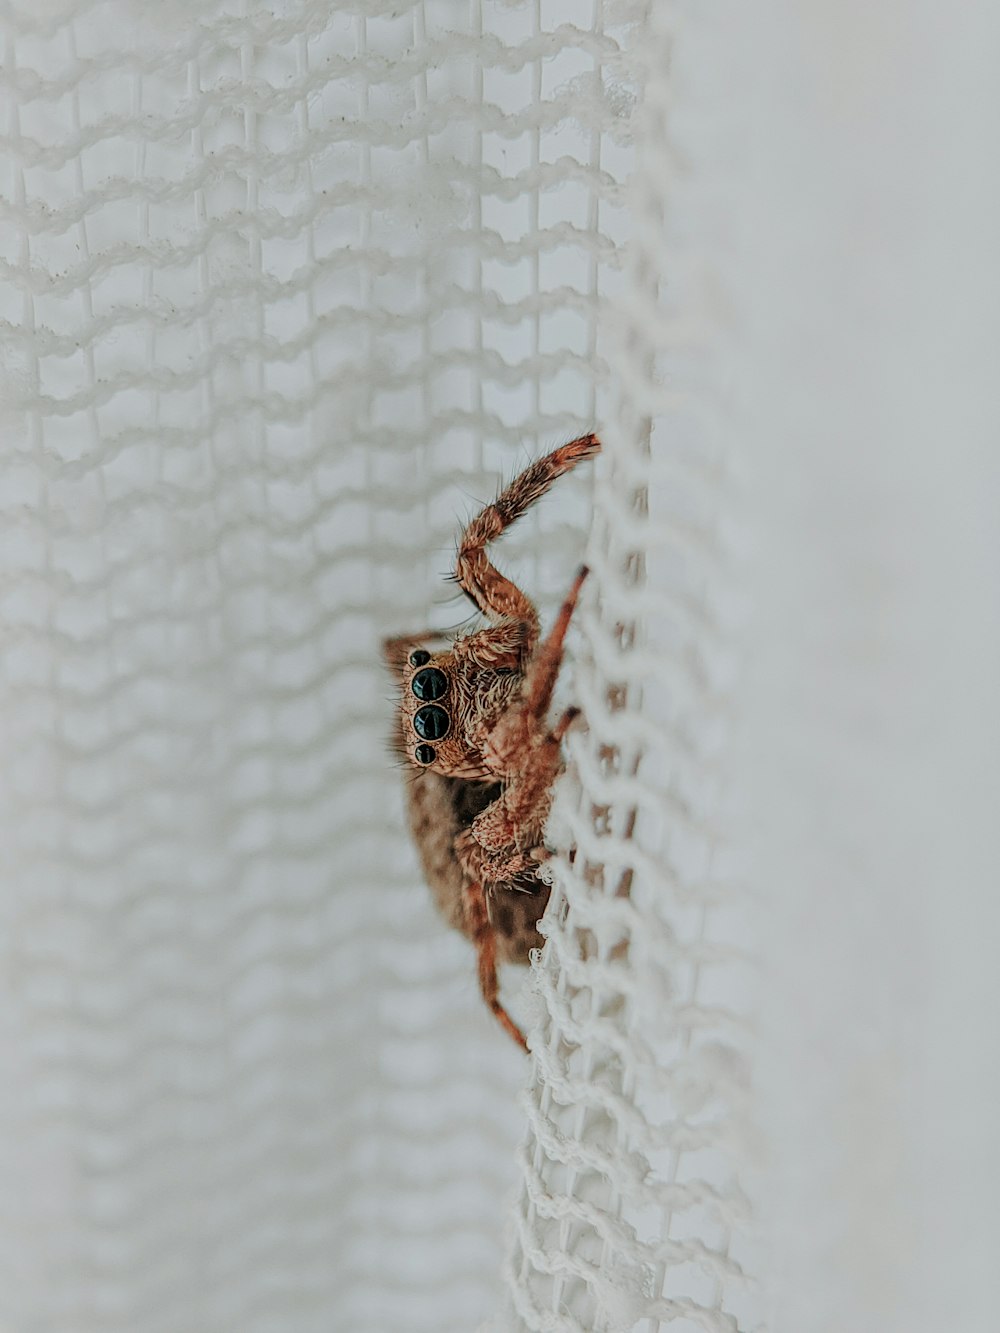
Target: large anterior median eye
pixel 429 683
pixel 431 723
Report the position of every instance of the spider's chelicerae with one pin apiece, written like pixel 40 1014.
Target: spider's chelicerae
pixel 473 726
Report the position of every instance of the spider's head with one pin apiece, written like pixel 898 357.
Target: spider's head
pixel 442 699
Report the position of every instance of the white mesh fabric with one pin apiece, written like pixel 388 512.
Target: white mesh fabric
pixel 632 1210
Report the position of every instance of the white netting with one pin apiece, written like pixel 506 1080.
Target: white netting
pixel 632 1207
pixel 284 288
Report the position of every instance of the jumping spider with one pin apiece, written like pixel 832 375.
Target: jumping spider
pixel 472 725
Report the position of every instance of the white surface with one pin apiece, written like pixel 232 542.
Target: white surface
pixel 871 769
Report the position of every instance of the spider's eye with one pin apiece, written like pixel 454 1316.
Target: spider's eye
pixel 425 754
pixel 431 723
pixel 429 683
pixel 419 657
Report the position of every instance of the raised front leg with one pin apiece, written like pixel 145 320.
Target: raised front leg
pixel 493 594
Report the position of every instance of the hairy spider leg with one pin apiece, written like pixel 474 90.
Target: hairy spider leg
pixel 484 938
pixel 501 645
pixel 522 723
pixel 543 671
pixel 495 596
pixel 527 757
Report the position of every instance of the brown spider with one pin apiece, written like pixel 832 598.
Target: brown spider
pixel 473 725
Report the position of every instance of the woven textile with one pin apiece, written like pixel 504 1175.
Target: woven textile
pixel 632 1210
pixel 286 288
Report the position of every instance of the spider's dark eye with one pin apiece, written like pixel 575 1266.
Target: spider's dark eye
pixel 425 754
pixel 429 683
pixel 419 657
pixel 431 723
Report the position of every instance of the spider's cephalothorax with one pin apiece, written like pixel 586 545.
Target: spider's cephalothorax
pixel 473 724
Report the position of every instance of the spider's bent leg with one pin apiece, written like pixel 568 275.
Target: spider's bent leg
pixel 521 727
pixel 492 593
pixel 502 645
pixel 484 938
pixel 544 669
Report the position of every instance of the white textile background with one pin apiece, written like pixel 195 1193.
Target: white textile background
pixel 284 288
